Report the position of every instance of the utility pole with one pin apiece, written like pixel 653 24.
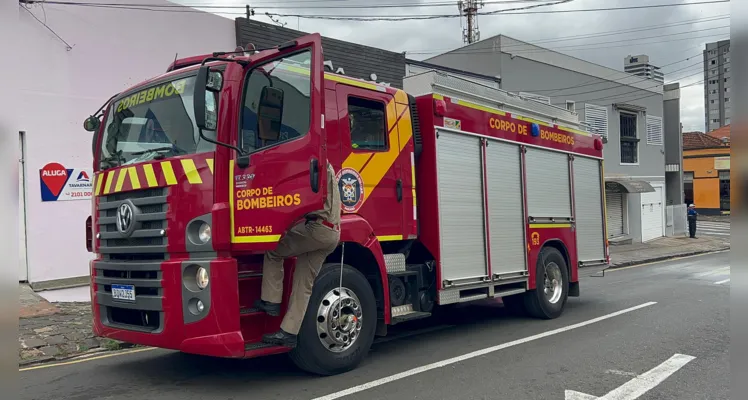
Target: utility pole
pixel 469 9
pixel 250 11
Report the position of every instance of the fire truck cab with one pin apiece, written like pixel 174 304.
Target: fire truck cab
pixel 451 192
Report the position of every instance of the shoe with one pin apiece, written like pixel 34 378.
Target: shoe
pixel 280 338
pixel 271 309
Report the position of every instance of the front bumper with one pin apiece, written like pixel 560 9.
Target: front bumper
pixel 160 315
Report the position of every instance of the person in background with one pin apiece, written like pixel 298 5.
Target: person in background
pixel 692 221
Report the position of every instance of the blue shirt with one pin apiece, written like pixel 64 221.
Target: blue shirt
pixel 691 211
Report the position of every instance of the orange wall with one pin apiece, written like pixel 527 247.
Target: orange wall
pixel 706 178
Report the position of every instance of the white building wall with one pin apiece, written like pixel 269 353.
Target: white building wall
pixel 58 87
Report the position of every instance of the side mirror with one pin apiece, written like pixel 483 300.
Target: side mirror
pixel 91 124
pixel 270 113
pixel 205 103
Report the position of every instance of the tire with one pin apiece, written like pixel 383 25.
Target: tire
pixel 311 354
pixel 537 303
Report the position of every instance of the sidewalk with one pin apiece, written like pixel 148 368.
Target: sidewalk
pixel 48 332
pixel 665 248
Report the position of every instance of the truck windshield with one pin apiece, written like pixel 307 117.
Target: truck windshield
pixel 154 122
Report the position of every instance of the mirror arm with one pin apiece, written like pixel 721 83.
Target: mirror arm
pixel 207 139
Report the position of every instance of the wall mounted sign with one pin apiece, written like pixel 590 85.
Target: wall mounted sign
pixel 60 184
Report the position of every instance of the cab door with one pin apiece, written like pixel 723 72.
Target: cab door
pixel 281 129
pixel 370 179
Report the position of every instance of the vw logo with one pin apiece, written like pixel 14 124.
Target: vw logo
pixel 125 218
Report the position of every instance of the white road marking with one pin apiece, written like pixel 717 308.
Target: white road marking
pixel 721 282
pixel 713 272
pixel 572 395
pixel 477 353
pixel 617 372
pixel 643 383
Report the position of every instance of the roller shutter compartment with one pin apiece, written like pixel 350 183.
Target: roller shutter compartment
pixel 548 191
pixel 614 211
pixel 461 217
pixel 588 205
pixel 505 208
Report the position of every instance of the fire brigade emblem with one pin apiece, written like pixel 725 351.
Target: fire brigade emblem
pixel 351 189
pixel 535 239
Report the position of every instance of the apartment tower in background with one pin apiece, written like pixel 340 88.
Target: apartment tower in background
pixel 717 81
pixel 640 66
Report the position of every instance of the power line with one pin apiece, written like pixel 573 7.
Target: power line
pixel 593 35
pixel 282 7
pixel 534 43
pixel 601 81
pixel 594 81
pixel 68 47
pixel 393 18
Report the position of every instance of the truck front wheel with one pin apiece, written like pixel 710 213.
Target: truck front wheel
pixel 339 324
pixel 548 299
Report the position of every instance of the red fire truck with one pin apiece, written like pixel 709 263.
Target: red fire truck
pixel 451 192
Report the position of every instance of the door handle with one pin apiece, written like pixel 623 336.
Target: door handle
pixel 314 175
pixel 399 190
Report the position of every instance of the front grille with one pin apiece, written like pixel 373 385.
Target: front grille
pixel 145 313
pixel 149 236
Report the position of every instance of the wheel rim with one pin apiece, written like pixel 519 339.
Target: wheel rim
pixel 339 319
pixel 552 287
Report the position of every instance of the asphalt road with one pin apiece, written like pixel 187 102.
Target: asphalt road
pixel 631 322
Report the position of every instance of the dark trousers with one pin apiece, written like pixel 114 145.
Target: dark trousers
pixel 691 227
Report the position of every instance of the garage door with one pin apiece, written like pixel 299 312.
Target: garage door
pixel 614 211
pixel 652 220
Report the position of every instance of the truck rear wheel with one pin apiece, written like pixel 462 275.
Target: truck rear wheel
pixel 339 325
pixel 548 299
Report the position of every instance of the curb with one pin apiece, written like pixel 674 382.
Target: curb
pixel 89 353
pixel 667 257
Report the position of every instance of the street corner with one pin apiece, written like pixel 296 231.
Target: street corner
pixel 60 335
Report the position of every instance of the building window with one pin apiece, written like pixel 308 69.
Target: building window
pixel 714 91
pixel 725 79
pixel 688 187
pixel 727 99
pixel 711 101
pixel 629 139
pixel 654 131
pixel 715 121
pixel 724 190
pixel 714 72
pixel 727 90
pixel 367 123
pixel 714 62
pixel 727 121
pixel 596 118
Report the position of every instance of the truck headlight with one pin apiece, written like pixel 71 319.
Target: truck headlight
pixel 202 278
pixel 203 233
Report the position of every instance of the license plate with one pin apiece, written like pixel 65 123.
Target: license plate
pixel 123 292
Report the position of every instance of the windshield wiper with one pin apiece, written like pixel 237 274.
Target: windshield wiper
pixel 156 150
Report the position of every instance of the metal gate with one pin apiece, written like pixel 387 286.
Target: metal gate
pixel 614 210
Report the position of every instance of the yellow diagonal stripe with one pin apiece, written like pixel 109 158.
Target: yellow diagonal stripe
pixel 190 170
pixel 168 173
pixel 150 175
pixel 99 177
pixel 210 165
pixel 109 179
pixel 401 97
pixel 356 160
pixel 120 179
pixel 134 180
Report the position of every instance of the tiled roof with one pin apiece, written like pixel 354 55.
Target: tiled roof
pixel 721 132
pixel 698 140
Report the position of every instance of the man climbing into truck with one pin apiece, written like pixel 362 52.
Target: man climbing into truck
pixel 310 242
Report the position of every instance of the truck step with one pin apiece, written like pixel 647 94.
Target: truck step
pixel 402 273
pixel 411 316
pixel 248 311
pixel 257 346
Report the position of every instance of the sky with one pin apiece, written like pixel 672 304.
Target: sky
pixel 673 37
